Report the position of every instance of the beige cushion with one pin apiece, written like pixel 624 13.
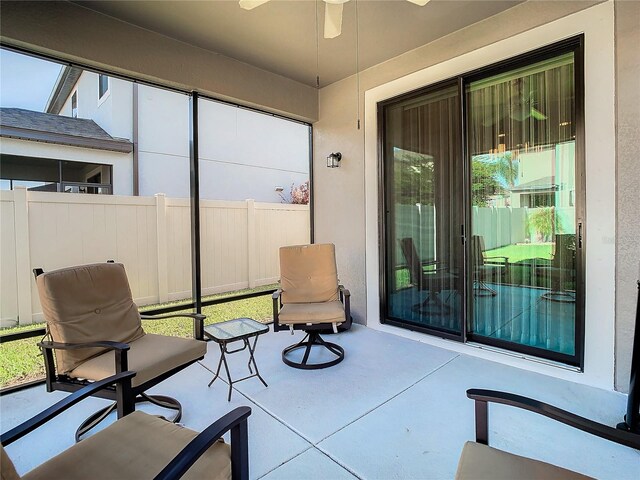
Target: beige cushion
pixel 149 356
pixel 480 462
pixel 137 446
pixel 328 312
pixel 85 304
pixel 308 273
pixel 7 470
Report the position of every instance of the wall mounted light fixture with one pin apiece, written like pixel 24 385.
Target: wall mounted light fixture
pixel 333 160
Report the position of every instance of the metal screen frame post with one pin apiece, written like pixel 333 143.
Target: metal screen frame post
pixel 196 278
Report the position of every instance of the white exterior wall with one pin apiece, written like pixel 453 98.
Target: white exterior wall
pixel 163 142
pixel 243 154
pixel 113 112
pixel 121 162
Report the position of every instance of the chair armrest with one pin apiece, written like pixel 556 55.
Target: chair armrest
pixel 483 397
pixel 121 349
pixel 275 296
pixel 109 345
pixel 345 298
pixel 198 321
pixel 236 421
pixel 59 407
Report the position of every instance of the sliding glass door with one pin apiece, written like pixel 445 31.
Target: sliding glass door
pixel 522 151
pixel 483 202
pixel 423 171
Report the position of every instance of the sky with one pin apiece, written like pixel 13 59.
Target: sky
pixel 26 82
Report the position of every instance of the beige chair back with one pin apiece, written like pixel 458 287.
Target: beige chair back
pixel 308 273
pixel 88 303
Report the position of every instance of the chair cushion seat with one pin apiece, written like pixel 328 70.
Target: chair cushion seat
pixel 480 461
pixel 297 313
pixel 149 356
pixel 135 447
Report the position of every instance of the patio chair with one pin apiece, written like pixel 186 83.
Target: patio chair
pixel 94 331
pixel 310 299
pixel 486 267
pixel 433 280
pixel 562 269
pixel 479 460
pixel 138 446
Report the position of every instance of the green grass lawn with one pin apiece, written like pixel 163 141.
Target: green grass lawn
pixel 520 252
pixel 20 361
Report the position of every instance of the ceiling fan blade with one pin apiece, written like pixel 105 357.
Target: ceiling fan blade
pixel 251 4
pixel 332 19
pixel 422 3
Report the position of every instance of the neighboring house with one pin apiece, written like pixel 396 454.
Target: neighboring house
pixel 243 153
pixel 545 178
pixel 52 153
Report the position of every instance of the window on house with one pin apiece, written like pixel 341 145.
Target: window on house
pixel 103 85
pixel 74 104
pixel 537 200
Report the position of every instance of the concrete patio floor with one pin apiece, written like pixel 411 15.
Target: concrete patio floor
pixel 393 409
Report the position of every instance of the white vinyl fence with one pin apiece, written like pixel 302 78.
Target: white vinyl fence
pixel 149 235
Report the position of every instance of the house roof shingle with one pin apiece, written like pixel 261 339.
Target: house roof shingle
pixel 50 128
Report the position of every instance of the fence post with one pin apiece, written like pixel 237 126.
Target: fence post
pixel 161 242
pixel 23 257
pixel 252 244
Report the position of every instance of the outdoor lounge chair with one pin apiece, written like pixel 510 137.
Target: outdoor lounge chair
pixel 486 267
pixel 310 299
pixel 562 269
pixel 139 446
pixel 479 460
pixel 94 329
pixel 434 281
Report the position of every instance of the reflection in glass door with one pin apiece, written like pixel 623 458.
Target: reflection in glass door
pixel 521 142
pixel 423 253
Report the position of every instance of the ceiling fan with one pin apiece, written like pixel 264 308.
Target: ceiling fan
pixel 332 13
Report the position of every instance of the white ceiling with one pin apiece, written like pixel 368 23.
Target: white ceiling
pixel 280 36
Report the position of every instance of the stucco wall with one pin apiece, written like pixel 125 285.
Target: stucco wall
pixel 627 21
pixel 74 33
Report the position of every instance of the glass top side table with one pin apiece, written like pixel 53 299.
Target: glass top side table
pixel 239 329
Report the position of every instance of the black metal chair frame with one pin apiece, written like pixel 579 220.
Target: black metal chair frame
pixel 124 396
pixel 480 288
pixel 234 422
pixel 558 272
pixel 483 397
pixel 426 280
pixel 313 338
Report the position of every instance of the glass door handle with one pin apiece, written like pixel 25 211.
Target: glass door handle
pixel 580 235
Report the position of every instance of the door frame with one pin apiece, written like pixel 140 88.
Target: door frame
pixel 573 44
pixel 383 209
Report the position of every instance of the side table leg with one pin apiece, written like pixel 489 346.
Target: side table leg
pixel 226 367
pixel 217 374
pixel 253 360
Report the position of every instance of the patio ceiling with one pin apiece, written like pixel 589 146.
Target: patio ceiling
pixel 280 36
